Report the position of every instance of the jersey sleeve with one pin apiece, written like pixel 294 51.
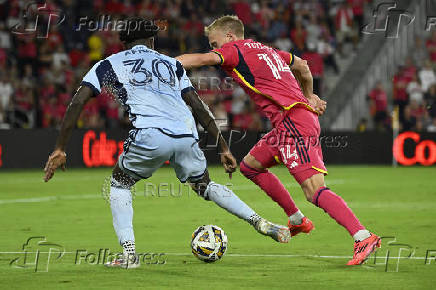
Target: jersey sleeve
pixel 228 54
pixel 91 80
pixel 287 56
pixel 184 82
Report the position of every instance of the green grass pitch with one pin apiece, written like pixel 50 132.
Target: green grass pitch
pixel 69 211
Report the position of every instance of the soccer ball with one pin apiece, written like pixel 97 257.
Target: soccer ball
pixel 209 243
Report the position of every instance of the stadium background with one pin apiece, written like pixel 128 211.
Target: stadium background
pixel 375 85
pixel 38 75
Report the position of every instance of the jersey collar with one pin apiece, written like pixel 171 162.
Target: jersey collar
pixel 141 46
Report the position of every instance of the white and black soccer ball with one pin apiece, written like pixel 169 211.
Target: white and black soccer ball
pixel 209 243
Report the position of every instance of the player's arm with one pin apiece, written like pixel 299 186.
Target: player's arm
pixel 302 73
pixel 58 157
pixel 199 59
pixel 205 117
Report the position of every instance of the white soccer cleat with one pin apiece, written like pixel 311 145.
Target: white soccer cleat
pixel 126 262
pixel 279 233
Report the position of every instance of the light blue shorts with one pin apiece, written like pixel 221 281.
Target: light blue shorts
pixel 146 150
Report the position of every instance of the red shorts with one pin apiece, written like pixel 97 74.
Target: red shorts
pixel 295 143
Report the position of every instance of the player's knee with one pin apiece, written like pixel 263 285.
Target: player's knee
pixel 309 196
pixel 245 170
pixel 309 188
pixel 309 192
pixel 252 162
pixel 311 185
pixel 249 168
pixel 122 181
pixel 200 186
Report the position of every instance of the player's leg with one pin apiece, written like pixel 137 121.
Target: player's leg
pixel 307 166
pixel 190 165
pixel 121 205
pixel 144 152
pixel 228 200
pixel 122 217
pixel 317 193
pixel 222 196
pixel 254 166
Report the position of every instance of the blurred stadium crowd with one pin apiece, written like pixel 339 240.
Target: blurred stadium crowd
pixel 413 93
pixel 38 75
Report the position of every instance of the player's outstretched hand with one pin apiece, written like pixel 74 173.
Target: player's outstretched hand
pixel 318 104
pixel 229 162
pixel 57 159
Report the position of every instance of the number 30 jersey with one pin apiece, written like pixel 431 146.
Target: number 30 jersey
pixel 149 85
pixel 265 75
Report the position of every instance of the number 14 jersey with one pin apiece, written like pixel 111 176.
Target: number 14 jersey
pixel 265 75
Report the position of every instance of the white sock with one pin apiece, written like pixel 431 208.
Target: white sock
pixel 122 213
pixel 361 235
pixel 296 218
pixel 226 199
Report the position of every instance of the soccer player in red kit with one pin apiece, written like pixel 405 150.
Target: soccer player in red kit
pixel 273 79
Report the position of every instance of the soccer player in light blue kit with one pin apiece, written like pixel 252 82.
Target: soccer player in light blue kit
pixel 156 92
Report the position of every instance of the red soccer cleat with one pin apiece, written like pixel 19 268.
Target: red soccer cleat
pixel 363 249
pixel 306 226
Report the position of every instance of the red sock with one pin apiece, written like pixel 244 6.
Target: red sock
pixel 337 208
pixel 269 183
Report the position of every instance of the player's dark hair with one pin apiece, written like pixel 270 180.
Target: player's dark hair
pixel 136 28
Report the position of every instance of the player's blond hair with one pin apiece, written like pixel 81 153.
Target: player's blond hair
pixel 227 23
